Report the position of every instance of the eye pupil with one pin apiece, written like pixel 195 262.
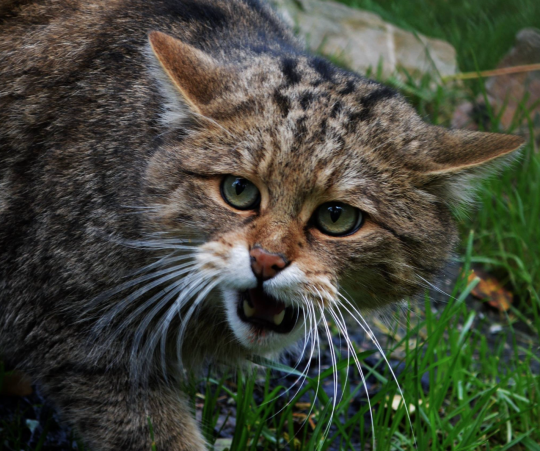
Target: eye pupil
pixel 338 219
pixel 240 193
pixel 239 186
pixel 335 212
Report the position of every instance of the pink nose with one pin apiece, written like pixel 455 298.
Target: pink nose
pixel 264 264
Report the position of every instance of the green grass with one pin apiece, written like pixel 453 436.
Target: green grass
pixel 508 232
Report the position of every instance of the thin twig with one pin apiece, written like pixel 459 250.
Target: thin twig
pixel 493 73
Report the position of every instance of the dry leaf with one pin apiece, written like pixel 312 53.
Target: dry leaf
pixel 491 290
pixel 303 405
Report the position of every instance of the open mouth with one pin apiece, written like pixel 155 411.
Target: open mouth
pixel 257 308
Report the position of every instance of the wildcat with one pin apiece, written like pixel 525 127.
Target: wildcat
pixel 181 183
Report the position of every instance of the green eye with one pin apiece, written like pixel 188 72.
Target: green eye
pixel 240 193
pixel 338 219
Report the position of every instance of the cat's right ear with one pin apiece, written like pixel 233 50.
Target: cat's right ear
pixel 197 77
pixel 450 162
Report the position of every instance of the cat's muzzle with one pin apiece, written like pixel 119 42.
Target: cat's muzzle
pixel 264 312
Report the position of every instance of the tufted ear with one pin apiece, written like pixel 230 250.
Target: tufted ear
pixel 458 150
pixel 448 160
pixel 197 76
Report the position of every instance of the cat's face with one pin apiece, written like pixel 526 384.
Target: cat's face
pixel 310 188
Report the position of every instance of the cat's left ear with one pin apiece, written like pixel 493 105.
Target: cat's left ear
pixel 451 159
pixel 195 75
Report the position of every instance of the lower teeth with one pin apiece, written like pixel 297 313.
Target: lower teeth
pixel 278 319
pixel 248 310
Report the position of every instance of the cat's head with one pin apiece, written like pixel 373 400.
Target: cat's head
pixel 310 186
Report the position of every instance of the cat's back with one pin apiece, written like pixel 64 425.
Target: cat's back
pixel 70 65
pixel 64 65
pixel 53 37
pixel 80 115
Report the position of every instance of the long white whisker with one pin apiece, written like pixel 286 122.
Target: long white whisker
pixel 147 304
pixel 342 333
pixel 159 244
pixel 170 258
pixel 302 377
pixel 313 330
pixel 318 342
pixel 334 365
pixel 139 334
pixel 359 367
pixel 122 287
pixel 307 337
pixel 435 287
pixel 192 285
pixel 370 333
pixel 185 320
pixel 106 320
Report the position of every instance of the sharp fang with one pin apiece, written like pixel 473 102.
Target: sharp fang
pixel 248 310
pixel 278 319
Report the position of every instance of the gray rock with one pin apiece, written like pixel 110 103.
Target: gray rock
pixel 509 95
pixel 362 40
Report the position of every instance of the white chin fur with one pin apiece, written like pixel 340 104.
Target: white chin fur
pixel 270 342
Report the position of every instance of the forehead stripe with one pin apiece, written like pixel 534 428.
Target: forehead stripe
pixel 288 67
pixel 283 103
pixel 371 100
pixel 323 68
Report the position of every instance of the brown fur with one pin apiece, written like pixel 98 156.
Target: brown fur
pixel 120 119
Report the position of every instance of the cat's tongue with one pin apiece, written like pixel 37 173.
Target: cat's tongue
pixel 265 306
